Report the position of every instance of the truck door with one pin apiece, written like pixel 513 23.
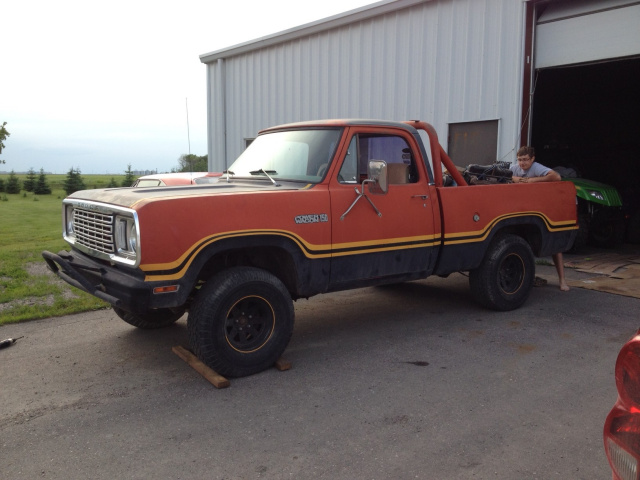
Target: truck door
pixel 381 236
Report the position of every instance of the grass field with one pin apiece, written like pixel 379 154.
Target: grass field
pixel 30 224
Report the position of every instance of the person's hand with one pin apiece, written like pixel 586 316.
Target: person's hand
pixel 519 179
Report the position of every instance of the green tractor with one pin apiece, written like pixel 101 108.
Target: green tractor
pixel 600 214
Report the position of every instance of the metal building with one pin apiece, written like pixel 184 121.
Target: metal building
pixel 490 75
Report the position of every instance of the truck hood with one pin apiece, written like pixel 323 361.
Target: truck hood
pixel 132 196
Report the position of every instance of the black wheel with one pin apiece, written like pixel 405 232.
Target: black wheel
pixel 633 228
pixel 241 321
pixel 505 277
pixel 607 229
pixel 583 233
pixel 155 319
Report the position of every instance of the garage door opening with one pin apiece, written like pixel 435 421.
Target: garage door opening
pixel 588 118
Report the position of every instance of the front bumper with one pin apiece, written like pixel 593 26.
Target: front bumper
pixel 122 289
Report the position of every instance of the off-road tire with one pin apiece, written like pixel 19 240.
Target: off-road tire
pixel 582 236
pixel 607 229
pixel 241 321
pixel 504 279
pixel 155 319
pixel 633 228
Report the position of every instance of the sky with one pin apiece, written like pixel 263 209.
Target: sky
pixel 99 86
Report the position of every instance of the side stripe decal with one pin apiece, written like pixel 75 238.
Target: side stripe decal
pixel 480 235
pixel 176 269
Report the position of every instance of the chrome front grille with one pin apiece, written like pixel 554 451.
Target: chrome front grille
pixel 94 230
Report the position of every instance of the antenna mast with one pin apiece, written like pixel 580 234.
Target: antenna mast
pixel 186 101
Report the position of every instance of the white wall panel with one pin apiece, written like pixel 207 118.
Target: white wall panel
pixel 439 61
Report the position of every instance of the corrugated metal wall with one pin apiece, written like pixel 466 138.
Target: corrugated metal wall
pixel 441 61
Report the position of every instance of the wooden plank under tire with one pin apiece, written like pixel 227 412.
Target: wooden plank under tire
pixel 194 362
pixel 282 364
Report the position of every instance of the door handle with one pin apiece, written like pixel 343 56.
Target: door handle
pixel 423 197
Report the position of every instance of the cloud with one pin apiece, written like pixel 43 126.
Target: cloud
pixel 100 85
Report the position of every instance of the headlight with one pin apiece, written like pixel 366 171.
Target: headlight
pixel 126 236
pixel 596 194
pixel 68 227
pixel 133 238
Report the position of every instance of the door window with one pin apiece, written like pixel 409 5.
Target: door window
pixel 393 149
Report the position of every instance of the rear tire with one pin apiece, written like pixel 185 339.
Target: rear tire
pixel 582 237
pixel 607 229
pixel 504 279
pixel 148 321
pixel 241 321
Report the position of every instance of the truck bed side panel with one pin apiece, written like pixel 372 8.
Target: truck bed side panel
pixel 542 213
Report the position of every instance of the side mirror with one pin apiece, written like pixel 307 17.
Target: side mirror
pixel 378 177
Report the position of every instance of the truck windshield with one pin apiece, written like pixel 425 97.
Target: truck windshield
pixel 296 155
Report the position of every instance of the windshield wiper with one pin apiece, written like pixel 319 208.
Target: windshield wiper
pixel 228 172
pixel 266 172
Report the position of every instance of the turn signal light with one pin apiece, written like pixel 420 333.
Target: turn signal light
pixel 167 289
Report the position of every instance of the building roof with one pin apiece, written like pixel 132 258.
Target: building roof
pixel 351 16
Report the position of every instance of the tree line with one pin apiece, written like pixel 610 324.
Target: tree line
pixel 192 163
pixel 73 182
pixel 37 185
pixel 40 186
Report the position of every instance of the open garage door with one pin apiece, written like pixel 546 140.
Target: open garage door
pixel 588 118
pixel 586 100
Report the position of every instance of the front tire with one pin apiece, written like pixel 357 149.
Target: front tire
pixel 160 318
pixel 504 279
pixel 241 321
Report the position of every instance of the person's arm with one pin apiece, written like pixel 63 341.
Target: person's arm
pixel 550 176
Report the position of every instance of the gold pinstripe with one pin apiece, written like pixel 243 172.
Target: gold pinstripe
pixel 481 235
pixel 351 248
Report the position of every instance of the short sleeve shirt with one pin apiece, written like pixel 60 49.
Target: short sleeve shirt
pixel 536 170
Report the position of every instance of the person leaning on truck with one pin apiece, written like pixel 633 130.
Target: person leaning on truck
pixel 527 170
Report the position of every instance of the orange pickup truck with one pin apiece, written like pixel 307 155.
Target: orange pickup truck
pixel 307 208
